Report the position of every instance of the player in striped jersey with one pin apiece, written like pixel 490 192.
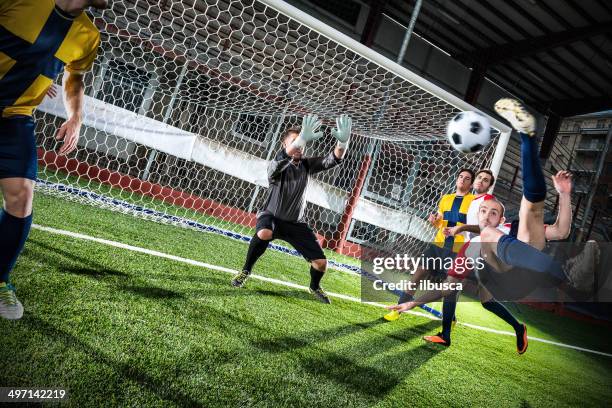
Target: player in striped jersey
pixel 452 212
pixel 38 40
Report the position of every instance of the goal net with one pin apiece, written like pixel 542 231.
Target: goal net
pixel 186 102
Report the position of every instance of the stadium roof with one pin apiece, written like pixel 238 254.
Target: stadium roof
pixel 555 55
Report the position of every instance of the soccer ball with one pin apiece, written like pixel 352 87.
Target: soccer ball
pixel 469 132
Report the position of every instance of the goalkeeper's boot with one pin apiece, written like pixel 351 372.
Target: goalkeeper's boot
pixel 320 295
pixel 514 112
pixel 521 339
pixel 438 339
pixel 10 306
pixel 580 270
pixel 392 316
pixel 240 279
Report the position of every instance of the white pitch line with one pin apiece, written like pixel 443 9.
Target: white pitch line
pixel 284 283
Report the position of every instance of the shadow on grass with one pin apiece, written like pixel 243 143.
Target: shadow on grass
pixel 64 262
pixel 347 367
pixel 93 272
pixel 165 390
pixel 372 380
pixel 152 292
pixel 49 255
pixel 291 343
pixel 242 292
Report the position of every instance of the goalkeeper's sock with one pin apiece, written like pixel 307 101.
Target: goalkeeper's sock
pixel 315 278
pixel 13 235
pixel 497 308
pixel 256 249
pixel 534 184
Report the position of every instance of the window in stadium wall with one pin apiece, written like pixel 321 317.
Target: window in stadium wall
pixel 188 111
pixel 378 185
pixel 124 85
pixel 370 235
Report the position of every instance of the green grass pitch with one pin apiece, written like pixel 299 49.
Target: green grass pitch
pixel 118 328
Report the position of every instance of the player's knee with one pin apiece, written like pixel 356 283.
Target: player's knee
pixel 265 234
pixel 484 296
pixel 319 264
pixel 18 201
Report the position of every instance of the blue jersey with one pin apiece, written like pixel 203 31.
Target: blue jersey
pixel 37 41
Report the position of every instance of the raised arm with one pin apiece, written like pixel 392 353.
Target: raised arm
pixel 562 226
pixel 342 133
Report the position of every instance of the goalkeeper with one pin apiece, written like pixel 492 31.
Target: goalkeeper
pixel 282 215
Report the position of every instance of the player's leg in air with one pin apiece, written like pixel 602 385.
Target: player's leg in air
pixel 504 251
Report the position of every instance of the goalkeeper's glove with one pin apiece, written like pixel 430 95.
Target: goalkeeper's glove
pixel 310 126
pixel 343 130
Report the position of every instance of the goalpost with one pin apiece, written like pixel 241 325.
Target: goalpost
pixel 186 103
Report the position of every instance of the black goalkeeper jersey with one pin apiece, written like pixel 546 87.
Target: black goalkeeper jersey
pixel 288 182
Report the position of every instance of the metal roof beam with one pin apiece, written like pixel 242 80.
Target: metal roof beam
pixel 581 106
pixel 373 22
pixel 531 46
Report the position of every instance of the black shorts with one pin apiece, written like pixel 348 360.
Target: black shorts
pixel 298 234
pixel 437 258
pixel 18 148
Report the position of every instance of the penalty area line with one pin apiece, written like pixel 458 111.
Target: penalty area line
pixel 193 262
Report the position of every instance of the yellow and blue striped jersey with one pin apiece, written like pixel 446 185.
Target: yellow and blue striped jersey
pixel 37 40
pixel 454 210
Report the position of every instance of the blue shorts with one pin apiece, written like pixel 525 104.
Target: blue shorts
pixel 18 148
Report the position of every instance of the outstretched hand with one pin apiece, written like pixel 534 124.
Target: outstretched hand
pixel 310 128
pixel 563 181
pixel 402 307
pixel 342 132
